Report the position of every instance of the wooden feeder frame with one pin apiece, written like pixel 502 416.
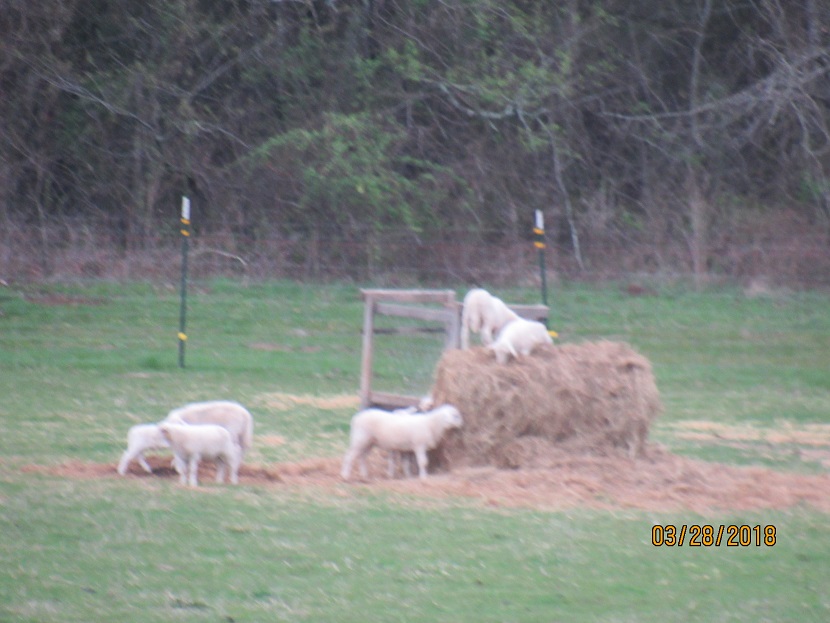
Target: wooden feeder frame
pixel 412 304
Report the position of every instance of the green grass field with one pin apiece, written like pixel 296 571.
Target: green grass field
pixel 80 364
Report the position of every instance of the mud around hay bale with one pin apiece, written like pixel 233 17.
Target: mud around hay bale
pixel 592 397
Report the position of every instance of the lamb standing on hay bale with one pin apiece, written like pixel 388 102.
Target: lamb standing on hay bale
pixel 485 314
pixel 192 442
pixel 519 337
pixel 594 397
pixel 231 415
pixel 140 438
pixel 399 433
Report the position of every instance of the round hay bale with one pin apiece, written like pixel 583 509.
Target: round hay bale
pixel 526 451
pixel 592 397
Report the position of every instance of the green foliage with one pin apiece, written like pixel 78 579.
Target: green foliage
pixel 402 113
pixel 351 171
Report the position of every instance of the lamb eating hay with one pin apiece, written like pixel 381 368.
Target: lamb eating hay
pixel 485 314
pixel 228 414
pixel 140 438
pixel 519 337
pixel 191 443
pixel 399 433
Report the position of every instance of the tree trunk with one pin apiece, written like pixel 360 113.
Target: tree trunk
pixel 699 221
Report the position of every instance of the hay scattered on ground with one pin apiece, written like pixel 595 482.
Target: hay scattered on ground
pixel 656 481
pixel 595 397
pixel 805 434
pixel 284 402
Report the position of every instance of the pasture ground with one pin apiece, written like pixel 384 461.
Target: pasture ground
pixel 745 440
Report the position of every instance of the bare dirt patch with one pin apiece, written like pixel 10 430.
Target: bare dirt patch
pixel 656 481
pixel 251 474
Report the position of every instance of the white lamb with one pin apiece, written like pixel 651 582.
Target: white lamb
pixel 519 337
pixel 140 438
pixel 193 442
pixel 405 459
pixel 398 432
pixel 485 314
pixel 231 415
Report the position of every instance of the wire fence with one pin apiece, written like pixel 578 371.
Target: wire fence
pixel 401 258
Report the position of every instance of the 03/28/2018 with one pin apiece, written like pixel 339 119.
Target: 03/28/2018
pixel 696 535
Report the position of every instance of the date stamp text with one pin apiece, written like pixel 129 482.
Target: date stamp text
pixel 695 535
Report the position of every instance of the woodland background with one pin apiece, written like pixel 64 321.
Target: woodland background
pixel 406 141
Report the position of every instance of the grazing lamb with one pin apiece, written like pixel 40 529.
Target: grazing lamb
pixel 231 415
pixel 485 314
pixel 519 337
pixel 398 432
pixel 192 442
pixel 140 438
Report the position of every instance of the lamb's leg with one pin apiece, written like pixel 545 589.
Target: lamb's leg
pixel 220 470
pixel 144 463
pixel 406 461
pixel 364 470
pixel 486 335
pixel 180 464
pixel 236 461
pixel 465 331
pixel 346 470
pixel 193 470
pixel 125 461
pixel 421 455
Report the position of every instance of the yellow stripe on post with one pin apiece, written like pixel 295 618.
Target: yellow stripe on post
pixel 539 243
pixel 185 220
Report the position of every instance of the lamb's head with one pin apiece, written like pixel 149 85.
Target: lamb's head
pixel 426 403
pixel 501 352
pixel 451 416
pixel 164 429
